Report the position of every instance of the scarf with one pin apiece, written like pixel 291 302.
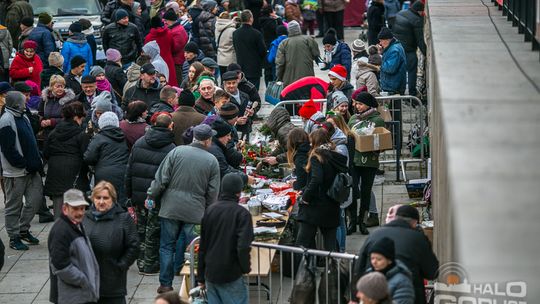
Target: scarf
pixel 104 85
pixel 155 7
pixel 366 113
pixel 328 55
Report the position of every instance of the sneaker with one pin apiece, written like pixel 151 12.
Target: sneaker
pixel 163 289
pixel 29 238
pixel 16 244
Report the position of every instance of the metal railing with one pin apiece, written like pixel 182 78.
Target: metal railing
pixel 291 105
pixel 523 14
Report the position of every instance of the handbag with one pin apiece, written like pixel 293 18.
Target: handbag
pixel 340 189
pixel 273 92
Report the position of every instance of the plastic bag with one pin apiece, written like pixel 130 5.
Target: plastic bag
pixel 305 284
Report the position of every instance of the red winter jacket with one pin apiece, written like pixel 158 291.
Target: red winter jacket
pixel 163 38
pixel 180 38
pixel 19 69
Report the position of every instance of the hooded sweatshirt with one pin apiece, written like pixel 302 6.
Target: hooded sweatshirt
pixel 75 45
pixel 152 49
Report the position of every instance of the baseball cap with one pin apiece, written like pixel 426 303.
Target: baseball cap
pixel 75 198
pixel 148 69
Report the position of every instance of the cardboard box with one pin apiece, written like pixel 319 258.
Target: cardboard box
pixel 380 140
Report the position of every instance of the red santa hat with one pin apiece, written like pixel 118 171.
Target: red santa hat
pixel 338 71
pixel 308 109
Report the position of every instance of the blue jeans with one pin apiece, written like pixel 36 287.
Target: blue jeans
pixel 230 293
pixel 341 233
pixel 170 232
pixel 186 236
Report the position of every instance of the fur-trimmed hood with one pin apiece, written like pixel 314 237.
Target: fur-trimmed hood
pixel 47 95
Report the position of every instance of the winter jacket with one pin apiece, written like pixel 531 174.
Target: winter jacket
pixel 6 45
pixel 64 149
pixel 204 106
pixel 185 66
pixel 115 242
pixel 144 160
pixel 73 82
pixel 300 161
pixel 272 50
pixel 341 55
pixel 107 16
pixel 184 117
pixel 394 68
pixel 159 44
pixel 186 183
pixel 320 209
pixel 75 45
pixel 224 41
pixel 125 38
pixel 15 12
pixel 391 8
pixel 207 28
pixel 108 153
pixel 133 130
pixel 179 40
pixel 19 153
pixel 366 76
pixel 47 73
pixel 255 7
pixel 314 122
pixel 45 40
pixel 269 28
pixel 91 39
pixel 242 105
pixel 51 107
pixel 23 37
pixel 247 87
pixel 153 50
pixel 366 159
pixel 19 69
pixel 331 5
pixel 412 248
pixel 250 50
pixel 220 151
pixel 194 12
pixel 73 267
pixel 375 18
pixel 295 57
pixel 149 96
pixel 160 106
pixel 409 30
pixel 226 236
pixel 117 78
pixel 133 74
pixel 399 283
pixel 340 141
pixel 279 123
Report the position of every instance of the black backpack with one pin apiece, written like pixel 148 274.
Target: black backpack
pixel 340 188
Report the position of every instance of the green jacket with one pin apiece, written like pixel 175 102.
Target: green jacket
pixel 366 159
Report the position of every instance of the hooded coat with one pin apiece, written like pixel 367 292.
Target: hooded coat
pixel 295 56
pixel 224 40
pixel 207 29
pixel 279 123
pixel 19 68
pixel 399 283
pixel 366 75
pixel 6 45
pixel 159 46
pixel 75 45
pixel 108 153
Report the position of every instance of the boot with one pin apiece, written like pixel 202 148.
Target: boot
pixel 361 224
pixel 372 220
pixel 352 222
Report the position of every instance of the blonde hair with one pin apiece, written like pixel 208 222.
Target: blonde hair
pixel 56 79
pixel 104 185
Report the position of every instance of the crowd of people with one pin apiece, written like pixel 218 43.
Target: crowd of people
pixel 141 153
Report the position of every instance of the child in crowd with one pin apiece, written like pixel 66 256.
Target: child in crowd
pixel 309 9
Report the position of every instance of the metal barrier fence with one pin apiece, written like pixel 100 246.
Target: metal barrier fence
pixel 270 282
pixel 406 111
pixel 523 14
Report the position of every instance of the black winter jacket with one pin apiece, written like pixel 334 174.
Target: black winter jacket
pixel 125 38
pixel 136 92
pixel 47 73
pixel 250 50
pixel 107 16
pixel 226 236
pixel 300 162
pixel 242 105
pixel 115 242
pixel 320 209
pixel 160 106
pixel 247 87
pixel 64 150
pixel 269 28
pixel 108 153
pixel 72 83
pixel 220 152
pixel 146 156
pixel 116 77
pixel 409 30
pixel 207 30
pixel 375 16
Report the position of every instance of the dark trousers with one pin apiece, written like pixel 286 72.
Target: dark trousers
pixel 178 70
pixel 320 23
pixel 308 25
pixel 367 175
pixel 307 232
pixel 335 20
pixel 115 300
pixel 412 67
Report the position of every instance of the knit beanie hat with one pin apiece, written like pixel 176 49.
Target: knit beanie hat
pixel 294 28
pixel 191 47
pixel 75 27
pixel 384 246
pixel 15 100
pixel 27 21
pixel 96 71
pixel 186 99
pixel 338 71
pixel 209 5
pixel 135 7
pixel 56 59
pixel 330 37
pixel 374 286
pixel 385 33
pixel 5 87
pixel 108 119
pixel 156 22
pixel 221 128
pixel 170 15
pixel 113 55
pixel 308 109
pixel 338 98
pixel 232 183
pixel 228 111
pixel 30 44
pixel 120 14
pixel 102 103
pixel 77 61
pixel 365 98
pixel 281 30
pixel 358 46
pixel 44 18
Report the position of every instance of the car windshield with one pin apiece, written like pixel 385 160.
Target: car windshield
pixel 66 7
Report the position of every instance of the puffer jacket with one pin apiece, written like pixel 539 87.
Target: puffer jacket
pixel 332 5
pixel 279 123
pixel 115 242
pixel 117 78
pixel 108 153
pixel 6 45
pixel 153 50
pixel 207 29
pixel 125 38
pixel 45 40
pixel 224 31
pixel 75 45
pixel 391 8
pixel 180 39
pixel 107 16
pixel 146 156
pixel 19 69
pixel 394 68
pixel 409 30
pixel 366 75
pixel 399 283
pixel 341 54
pixel 161 42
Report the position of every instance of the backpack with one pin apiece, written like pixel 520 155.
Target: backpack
pixel 340 188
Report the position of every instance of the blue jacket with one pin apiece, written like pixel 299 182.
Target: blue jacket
pixel 77 45
pixel 342 56
pixel 393 68
pixel 45 40
pixel 399 283
pixel 272 51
